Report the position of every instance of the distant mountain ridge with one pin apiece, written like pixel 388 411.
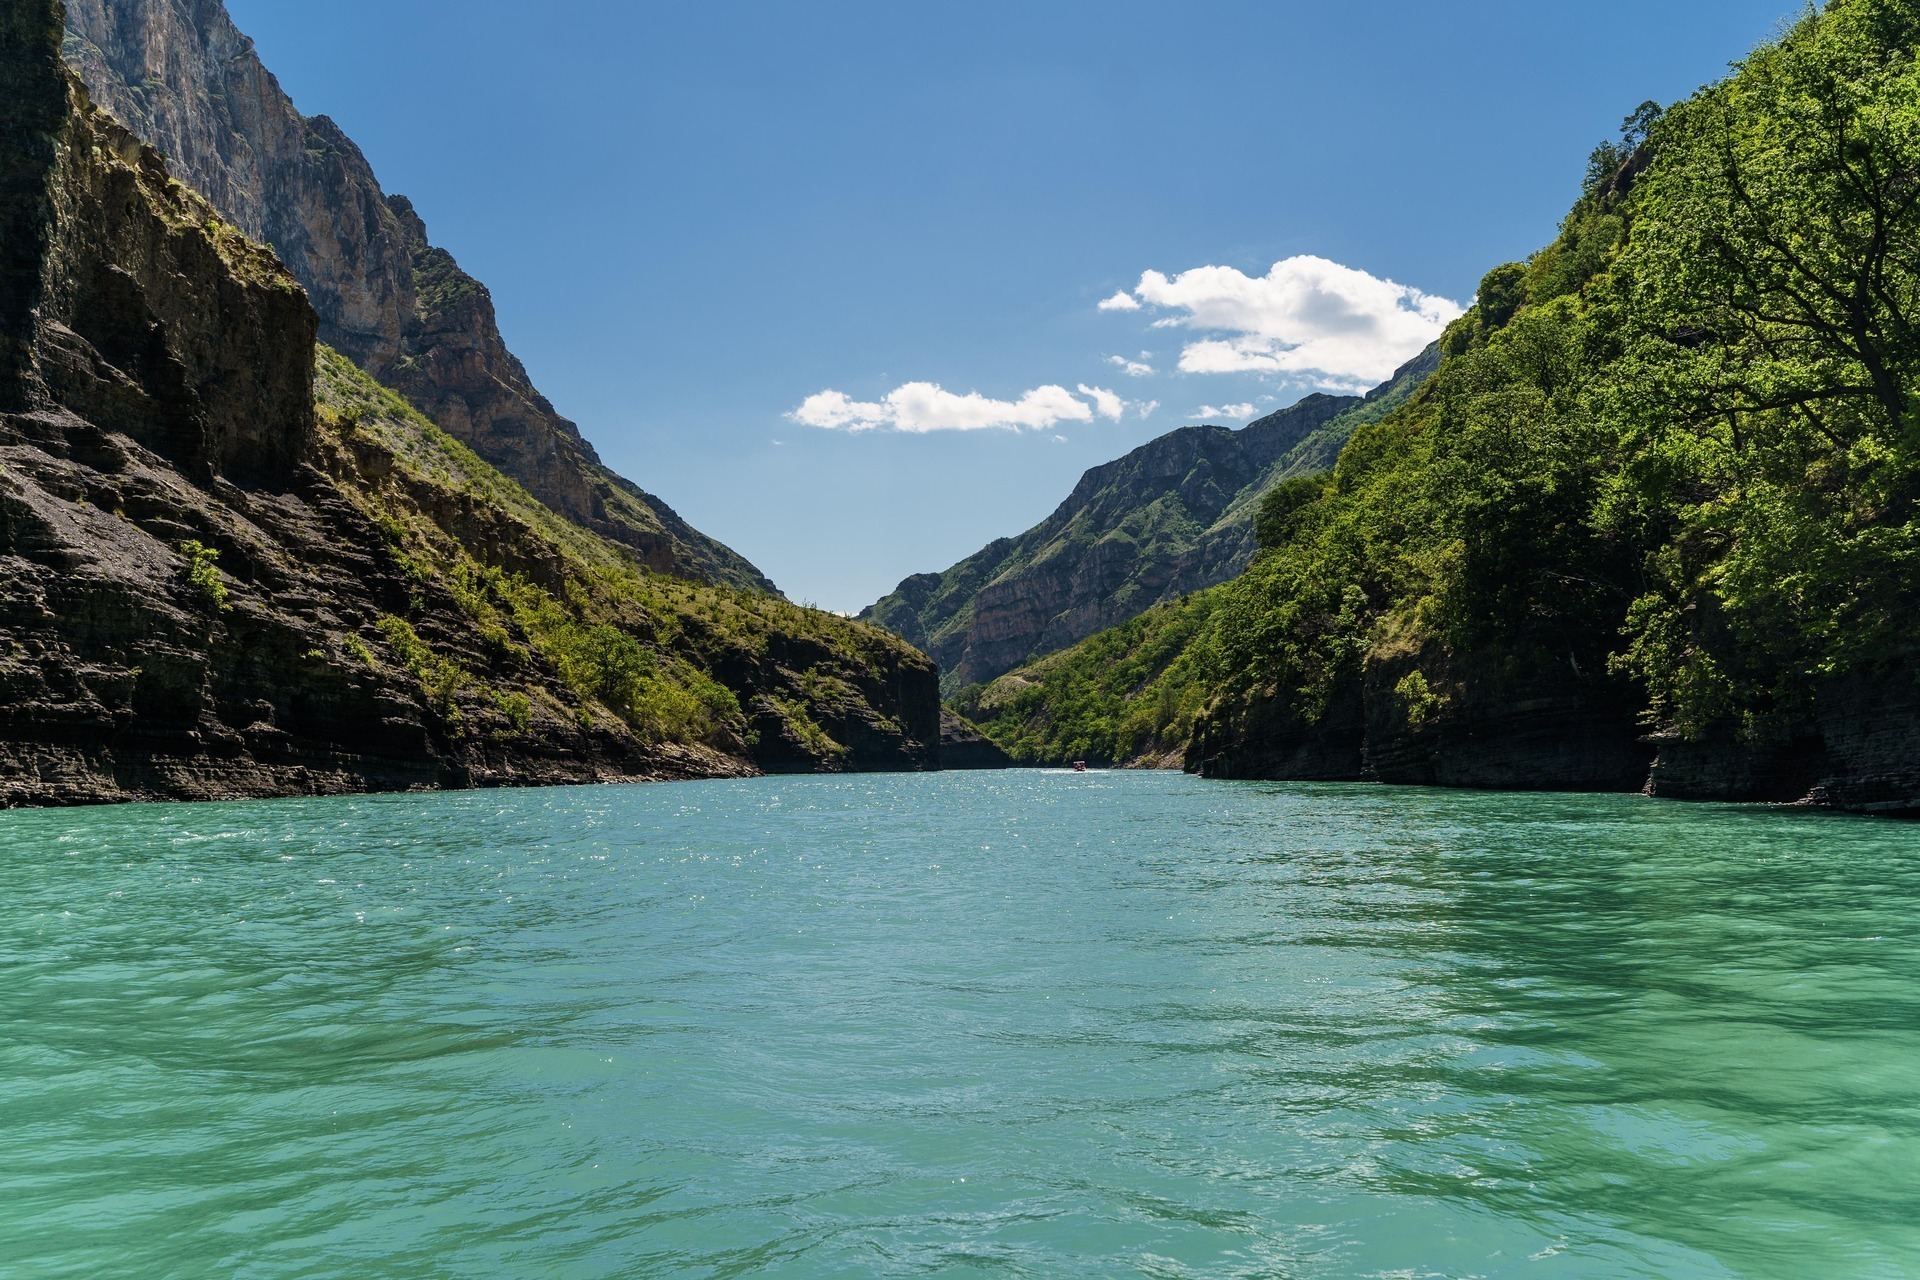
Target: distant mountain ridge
pixel 1172 517
pixel 184 79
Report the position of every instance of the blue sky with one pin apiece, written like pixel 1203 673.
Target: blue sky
pixel 709 225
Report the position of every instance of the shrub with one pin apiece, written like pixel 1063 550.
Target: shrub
pixel 604 663
pixel 517 709
pixel 439 677
pixel 1280 510
pixel 203 575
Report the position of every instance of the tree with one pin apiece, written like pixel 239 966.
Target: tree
pixel 1771 294
pixel 1636 128
pixel 1782 240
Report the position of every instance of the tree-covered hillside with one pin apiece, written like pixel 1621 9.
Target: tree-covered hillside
pixel 1660 496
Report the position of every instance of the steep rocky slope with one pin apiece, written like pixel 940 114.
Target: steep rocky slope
pixel 230 569
pixel 183 78
pixel 1173 517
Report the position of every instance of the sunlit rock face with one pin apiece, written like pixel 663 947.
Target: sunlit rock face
pixel 184 79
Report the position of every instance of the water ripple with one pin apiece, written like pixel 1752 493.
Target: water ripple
pixel 1021 1025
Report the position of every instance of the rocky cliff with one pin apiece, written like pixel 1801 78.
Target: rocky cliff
pixel 230 569
pixel 1173 517
pixel 184 79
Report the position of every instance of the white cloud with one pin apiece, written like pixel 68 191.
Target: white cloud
pixel 920 407
pixel 1147 409
pixel 1210 413
pixel 1132 368
pixel 1105 403
pixel 1309 318
pixel 1121 301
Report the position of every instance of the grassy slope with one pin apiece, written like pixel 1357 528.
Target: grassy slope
pixel 1126 696
pixel 680 663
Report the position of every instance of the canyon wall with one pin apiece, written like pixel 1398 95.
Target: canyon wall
pixel 228 569
pixel 183 78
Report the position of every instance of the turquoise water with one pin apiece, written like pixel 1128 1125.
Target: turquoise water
pixel 1027 1025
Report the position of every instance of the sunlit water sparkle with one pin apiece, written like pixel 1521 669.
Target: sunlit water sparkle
pixel 1019 1025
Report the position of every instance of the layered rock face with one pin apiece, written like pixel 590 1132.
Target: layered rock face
pixel 1859 750
pixel 1172 517
pixel 224 575
pixel 154 357
pixel 183 78
pixel 963 746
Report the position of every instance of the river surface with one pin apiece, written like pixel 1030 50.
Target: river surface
pixel 1019 1025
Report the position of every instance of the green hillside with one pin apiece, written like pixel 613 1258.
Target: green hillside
pixel 1660 496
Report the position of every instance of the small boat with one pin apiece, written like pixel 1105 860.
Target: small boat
pixel 1079 766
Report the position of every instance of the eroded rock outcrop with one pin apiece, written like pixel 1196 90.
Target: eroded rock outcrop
pixel 964 747
pixel 184 79
pixel 1418 717
pixel 1506 726
pixel 1859 750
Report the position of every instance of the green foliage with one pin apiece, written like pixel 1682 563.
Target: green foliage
pixel 1123 695
pixel 1772 293
pixel 602 662
pixel 569 609
pixel 799 719
pixel 1681 444
pixel 1502 292
pixel 1417 695
pixel 1278 517
pixel 517 708
pixel 1637 128
pixel 358 648
pixel 1190 524
pixel 203 575
pixel 440 678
